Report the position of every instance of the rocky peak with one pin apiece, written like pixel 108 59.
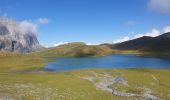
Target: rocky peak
pixel 12 39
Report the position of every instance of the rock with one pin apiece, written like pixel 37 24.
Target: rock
pixel 106 83
pixel 12 39
pixel 120 80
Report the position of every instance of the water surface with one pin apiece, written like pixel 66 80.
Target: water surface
pixel 111 61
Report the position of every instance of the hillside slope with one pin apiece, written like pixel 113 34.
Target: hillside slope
pixel 152 44
pixel 76 49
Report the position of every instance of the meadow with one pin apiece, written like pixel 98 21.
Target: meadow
pixel 22 79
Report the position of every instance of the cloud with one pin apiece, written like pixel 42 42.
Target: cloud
pixel 59 43
pixel 166 29
pixel 131 23
pixel 161 6
pixel 43 20
pixel 27 27
pixel 44 45
pixel 88 43
pixel 153 33
pixel 126 38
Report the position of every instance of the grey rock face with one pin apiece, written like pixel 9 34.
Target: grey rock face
pixel 12 39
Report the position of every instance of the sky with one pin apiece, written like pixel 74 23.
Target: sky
pixel 89 21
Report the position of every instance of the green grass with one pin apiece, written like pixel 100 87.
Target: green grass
pixel 13 62
pixel 75 50
pixel 19 81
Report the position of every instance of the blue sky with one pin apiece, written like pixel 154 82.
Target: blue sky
pixel 90 21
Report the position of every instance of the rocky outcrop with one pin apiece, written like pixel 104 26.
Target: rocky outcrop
pixel 12 39
pixel 108 83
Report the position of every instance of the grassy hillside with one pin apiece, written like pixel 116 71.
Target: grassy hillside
pixel 13 62
pixel 75 50
pixel 19 81
pixel 146 44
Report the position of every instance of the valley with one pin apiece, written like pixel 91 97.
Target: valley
pixel 22 74
pixel 22 78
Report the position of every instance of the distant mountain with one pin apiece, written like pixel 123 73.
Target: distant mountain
pixel 12 39
pixel 159 43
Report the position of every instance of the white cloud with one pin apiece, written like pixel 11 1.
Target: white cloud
pixel 166 29
pixel 27 27
pixel 44 45
pixel 59 43
pixel 88 43
pixel 126 38
pixel 161 6
pixel 43 20
pixel 153 33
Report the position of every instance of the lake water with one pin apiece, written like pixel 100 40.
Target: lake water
pixel 111 61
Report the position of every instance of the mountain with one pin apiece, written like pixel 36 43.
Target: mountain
pixel 149 44
pixel 76 49
pixel 13 39
pixel 160 43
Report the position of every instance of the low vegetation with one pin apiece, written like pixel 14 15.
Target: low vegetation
pixel 76 49
pixel 13 62
pixel 21 79
pixel 160 43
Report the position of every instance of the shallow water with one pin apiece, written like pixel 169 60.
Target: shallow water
pixel 111 61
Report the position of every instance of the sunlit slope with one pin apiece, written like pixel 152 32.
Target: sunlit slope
pixel 14 62
pixel 76 50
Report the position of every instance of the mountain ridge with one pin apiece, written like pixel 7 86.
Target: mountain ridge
pixel 13 39
pixel 146 43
